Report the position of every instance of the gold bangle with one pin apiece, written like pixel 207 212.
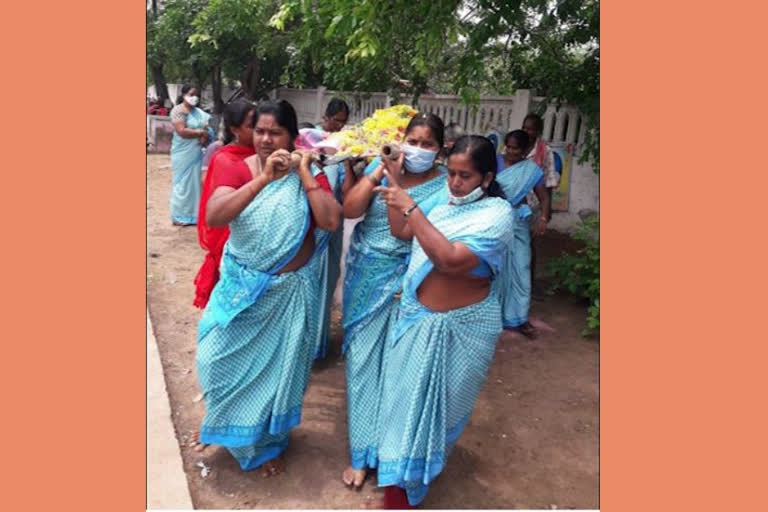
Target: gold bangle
pixel 373 180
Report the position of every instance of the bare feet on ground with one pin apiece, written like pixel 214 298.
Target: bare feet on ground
pixel 526 329
pixel 354 477
pixel 273 467
pixel 541 325
pixel 198 446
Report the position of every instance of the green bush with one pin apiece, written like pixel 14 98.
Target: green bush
pixel 579 273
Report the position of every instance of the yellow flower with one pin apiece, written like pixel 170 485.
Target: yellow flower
pixel 384 126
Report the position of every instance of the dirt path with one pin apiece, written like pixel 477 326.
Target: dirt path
pixel 532 441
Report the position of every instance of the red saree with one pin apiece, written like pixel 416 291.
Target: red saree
pixel 213 239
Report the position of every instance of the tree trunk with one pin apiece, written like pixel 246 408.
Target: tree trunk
pixel 200 75
pixel 250 79
pixel 161 88
pixel 218 103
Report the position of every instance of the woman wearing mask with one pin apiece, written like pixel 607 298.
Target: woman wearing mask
pixel 376 263
pixel 191 134
pixel 519 177
pixel 448 321
pixel 258 331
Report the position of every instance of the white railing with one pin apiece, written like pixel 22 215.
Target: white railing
pixel 492 113
pixel 562 126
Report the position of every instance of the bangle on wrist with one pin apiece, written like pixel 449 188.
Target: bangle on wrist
pixel 314 187
pixel 372 179
pixel 408 212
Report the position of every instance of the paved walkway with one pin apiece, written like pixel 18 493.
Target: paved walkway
pixel 166 482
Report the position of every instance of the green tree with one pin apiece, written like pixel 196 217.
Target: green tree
pixel 235 37
pixel 169 55
pixel 469 47
pixel 366 46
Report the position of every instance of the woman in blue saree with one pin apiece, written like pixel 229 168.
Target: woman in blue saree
pixel 191 133
pixel 448 321
pixel 257 335
pixel 375 266
pixel 518 178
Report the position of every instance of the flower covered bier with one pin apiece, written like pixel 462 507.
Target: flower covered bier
pixel 385 126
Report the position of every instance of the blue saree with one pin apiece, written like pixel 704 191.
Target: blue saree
pixel 518 181
pixel 330 263
pixel 258 332
pixel 376 262
pixel 186 166
pixel 437 362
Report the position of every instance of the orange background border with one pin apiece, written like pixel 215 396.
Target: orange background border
pixel 73 287
pixel 680 394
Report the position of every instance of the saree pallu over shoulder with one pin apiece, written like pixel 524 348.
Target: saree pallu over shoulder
pixel 263 238
pixel 374 228
pixel 485 226
pixel 518 180
pixel 377 260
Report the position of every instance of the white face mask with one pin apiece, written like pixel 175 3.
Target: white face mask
pixel 473 196
pixel 192 100
pixel 418 160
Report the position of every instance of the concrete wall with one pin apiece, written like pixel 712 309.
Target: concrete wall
pixel 159 134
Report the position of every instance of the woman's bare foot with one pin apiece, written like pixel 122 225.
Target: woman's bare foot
pixel 198 446
pixel 273 467
pixel 526 329
pixel 354 477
